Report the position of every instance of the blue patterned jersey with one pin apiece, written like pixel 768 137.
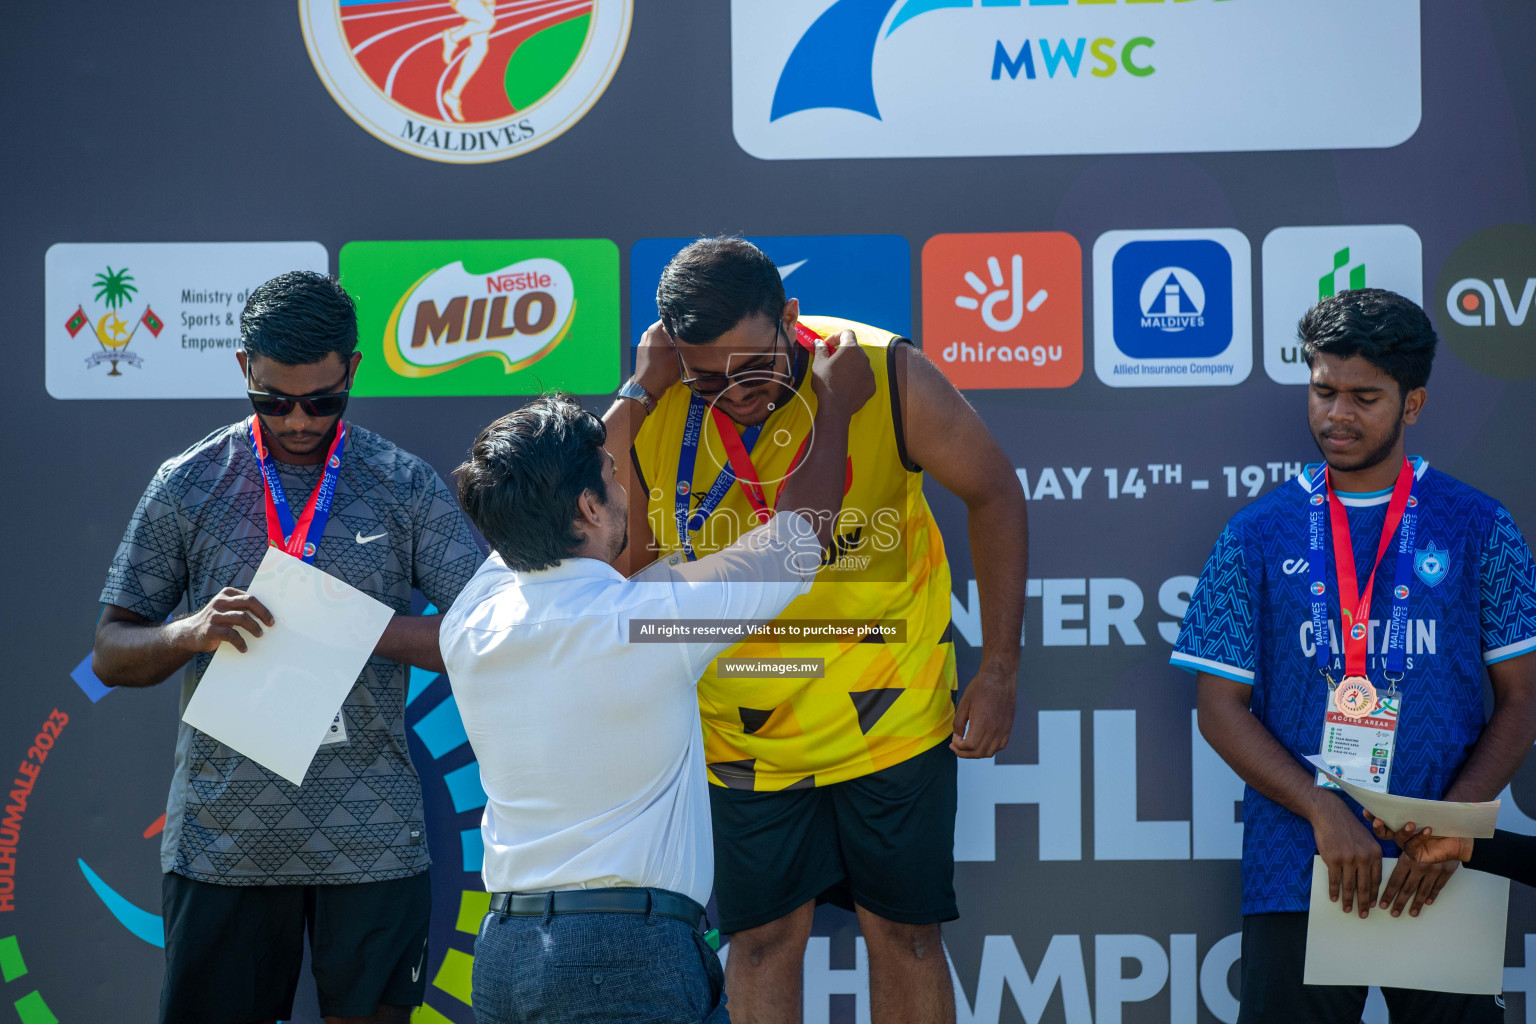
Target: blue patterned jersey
pixel 1249 619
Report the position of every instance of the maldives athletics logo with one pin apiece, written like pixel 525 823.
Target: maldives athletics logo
pixel 466 81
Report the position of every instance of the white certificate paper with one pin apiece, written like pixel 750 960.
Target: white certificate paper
pixel 1444 817
pixel 276 702
pixel 1457 945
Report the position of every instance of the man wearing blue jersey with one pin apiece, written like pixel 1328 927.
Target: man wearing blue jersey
pixel 1350 613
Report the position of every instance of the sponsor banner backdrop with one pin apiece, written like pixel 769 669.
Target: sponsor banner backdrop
pixel 1340 257
pixel 486 318
pixel 815 79
pixel 1172 308
pixel 156 320
pixel 465 81
pixel 865 278
pixel 1004 310
pixel 1097 856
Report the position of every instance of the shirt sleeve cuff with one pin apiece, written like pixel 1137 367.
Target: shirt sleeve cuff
pixel 1190 663
pixel 795 532
pixel 1508 651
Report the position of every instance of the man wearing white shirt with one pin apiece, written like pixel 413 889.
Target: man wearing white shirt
pixel 598 850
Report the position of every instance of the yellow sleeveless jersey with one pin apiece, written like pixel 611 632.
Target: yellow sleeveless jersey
pixel 879 703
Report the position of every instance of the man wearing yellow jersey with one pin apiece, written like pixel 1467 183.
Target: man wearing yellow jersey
pixel 838 788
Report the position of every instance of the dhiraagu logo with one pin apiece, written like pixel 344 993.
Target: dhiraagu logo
pixel 486 318
pixel 834 78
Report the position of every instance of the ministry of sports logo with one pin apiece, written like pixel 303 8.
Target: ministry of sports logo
pixel 115 290
pixel 466 81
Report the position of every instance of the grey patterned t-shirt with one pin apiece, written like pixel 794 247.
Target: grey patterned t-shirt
pixel 201 527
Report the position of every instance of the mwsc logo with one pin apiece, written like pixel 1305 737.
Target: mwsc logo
pixel 486 318
pixel 465 81
pixel 813 78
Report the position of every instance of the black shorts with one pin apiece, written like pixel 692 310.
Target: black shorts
pixel 233 952
pixel 885 841
pixel 1273 964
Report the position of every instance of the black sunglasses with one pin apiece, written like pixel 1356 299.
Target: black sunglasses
pixel 712 385
pixel 320 404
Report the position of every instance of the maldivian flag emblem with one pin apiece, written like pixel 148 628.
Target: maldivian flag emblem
pixel 75 322
pixel 154 323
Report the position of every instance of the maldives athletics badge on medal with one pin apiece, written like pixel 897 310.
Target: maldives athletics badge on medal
pixel 1355 697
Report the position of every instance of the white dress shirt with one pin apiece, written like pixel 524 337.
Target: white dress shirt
pixel 590 747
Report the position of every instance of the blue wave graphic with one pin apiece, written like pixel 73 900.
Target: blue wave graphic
pixel 143 924
pixel 833 63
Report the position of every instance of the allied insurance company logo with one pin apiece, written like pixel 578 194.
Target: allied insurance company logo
pixel 466 81
pixel 486 318
pixel 1004 310
pixel 1486 291
pixel 1172 308
pixel 831 78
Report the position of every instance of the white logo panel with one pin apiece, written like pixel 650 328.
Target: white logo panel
pixel 156 319
pixel 1304 265
pixel 902 78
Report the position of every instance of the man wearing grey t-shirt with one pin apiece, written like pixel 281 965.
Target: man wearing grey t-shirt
pixel 250 860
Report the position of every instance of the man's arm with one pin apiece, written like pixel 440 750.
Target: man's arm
pixel 131 650
pixel 412 639
pixel 1508 736
pixel 946 437
pixel 655 370
pixel 1497 755
pixel 1345 844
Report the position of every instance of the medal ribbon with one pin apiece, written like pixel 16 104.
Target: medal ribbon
pixel 739 467
pixel 1354 604
pixel 282 531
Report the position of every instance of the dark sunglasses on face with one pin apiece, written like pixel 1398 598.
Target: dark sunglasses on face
pixel 710 385
pixel 320 404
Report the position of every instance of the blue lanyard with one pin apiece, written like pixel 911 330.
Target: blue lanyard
pixel 693 431
pixel 282 530
pixel 1317 558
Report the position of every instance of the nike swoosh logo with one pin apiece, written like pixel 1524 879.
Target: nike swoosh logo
pixel 416 971
pixel 364 540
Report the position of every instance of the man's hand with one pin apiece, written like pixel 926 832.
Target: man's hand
pixel 1419 880
pixel 1420 844
pixel 216 622
pixel 656 365
pixel 984 719
pixel 1352 856
pixel 842 377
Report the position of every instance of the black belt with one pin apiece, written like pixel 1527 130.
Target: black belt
pixel 599 901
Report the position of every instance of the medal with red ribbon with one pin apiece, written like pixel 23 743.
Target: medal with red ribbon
pixel 298 538
pixel 1355 696
pixel 739 467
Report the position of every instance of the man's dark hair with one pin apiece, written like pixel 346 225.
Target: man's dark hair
pixel 713 284
pixel 1389 331
pixel 299 318
pixel 524 475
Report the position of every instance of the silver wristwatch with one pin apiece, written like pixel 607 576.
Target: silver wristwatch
pixel 632 389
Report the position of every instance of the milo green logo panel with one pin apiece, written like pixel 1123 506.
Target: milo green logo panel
pixel 485 317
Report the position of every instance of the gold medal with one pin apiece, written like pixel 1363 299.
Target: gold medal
pixel 1355 697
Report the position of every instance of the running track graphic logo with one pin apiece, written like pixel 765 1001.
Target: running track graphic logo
pixel 466 81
